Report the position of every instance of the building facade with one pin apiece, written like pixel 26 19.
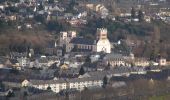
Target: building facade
pixel 59 85
pixel 72 43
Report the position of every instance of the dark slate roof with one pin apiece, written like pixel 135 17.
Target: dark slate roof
pixel 80 40
pixel 114 56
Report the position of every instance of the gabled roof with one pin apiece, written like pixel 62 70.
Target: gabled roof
pixel 114 56
pixel 80 40
pixel 37 82
pixel 86 75
pixel 43 60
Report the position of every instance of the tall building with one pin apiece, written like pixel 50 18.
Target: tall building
pixel 66 37
pixel 103 43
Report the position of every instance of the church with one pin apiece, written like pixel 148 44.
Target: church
pixel 73 43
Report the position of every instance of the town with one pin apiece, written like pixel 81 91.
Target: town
pixel 80 49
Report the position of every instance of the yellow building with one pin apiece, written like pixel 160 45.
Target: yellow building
pixel 64 67
pixel 141 62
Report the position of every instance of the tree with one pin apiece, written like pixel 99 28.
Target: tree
pixel 12 9
pixel 140 16
pixel 41 7
pixel 81 72
pixel 71 6
pixel 75 48
pixel 48 88
pixel 88 60
pixel 16 1
pixel 132 64
pixel 25 94
pixel 40 18
pixel 108 66
pixel 2 86
pixel 50 1
pixel 133 12
pixel 52 26
pixel 105 81
pixel 10 94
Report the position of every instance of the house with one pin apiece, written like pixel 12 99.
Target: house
pixel 64 67
pixel 118 84
pixel 2 62
pixel 25 83
pixel 7 63
pixel 115 60
pixel 141 62
pixel 2 7
pixel 70 72
pixel 82 83
pixel 53 60
pixel 55 85
pixel 162 61
pixel 23 61
pixel 28 26
pixel 12 17
pixel 147 19
pixel 15 55
pixel 53 49
pixel 42 62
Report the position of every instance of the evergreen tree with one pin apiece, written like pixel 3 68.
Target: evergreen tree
pixel 81 72
pixel 105 81
pixel 40 7
pixel 50 1
pixel 108 66
pixel 133 12
pixel 10 94
pixel 75 48
pixel 25 94
pixel 48 88
pixel 88 60
pixel 140 16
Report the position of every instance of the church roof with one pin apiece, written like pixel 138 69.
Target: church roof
pixel 80 40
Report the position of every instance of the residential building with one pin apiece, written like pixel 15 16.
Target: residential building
pixel 115 60
pixel 141 62
pixel 23 61
pixel 55 85
pixel 58 85
pixel 162 61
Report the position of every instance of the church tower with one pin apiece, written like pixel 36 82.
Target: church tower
pixel 65 38
pixel 101 33
pixel 103 43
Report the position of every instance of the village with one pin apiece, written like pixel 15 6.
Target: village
pixel 71 63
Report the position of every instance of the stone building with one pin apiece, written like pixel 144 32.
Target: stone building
pixel 72 43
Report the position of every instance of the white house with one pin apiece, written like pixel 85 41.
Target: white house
pixel 23 61
pixel 55 85
pixel 116 60
pixel 82 83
